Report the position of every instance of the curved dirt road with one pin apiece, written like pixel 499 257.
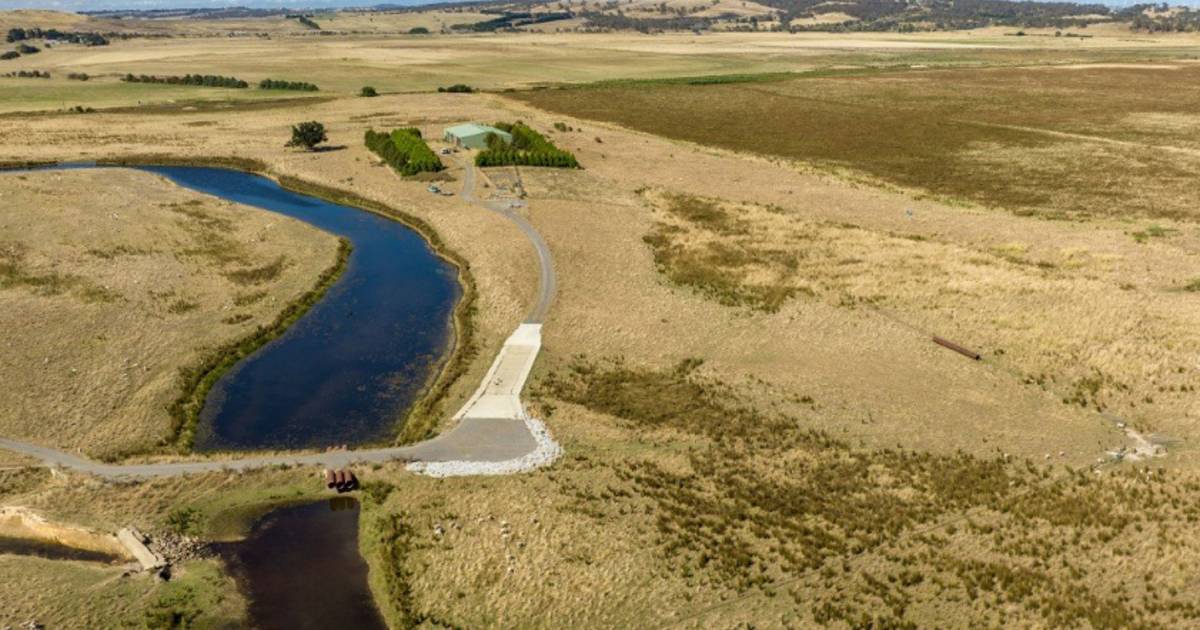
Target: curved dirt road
pixel 493 434
pixel 546 283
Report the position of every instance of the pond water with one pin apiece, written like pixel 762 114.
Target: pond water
pixel 353 365
pixel 300 568
pixel 343 374
pixel 53 551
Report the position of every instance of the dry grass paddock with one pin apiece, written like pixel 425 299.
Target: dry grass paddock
pixel 115 279
pixel 757 427
pixel 1033 317
pixel 376 55
pixel 1061 142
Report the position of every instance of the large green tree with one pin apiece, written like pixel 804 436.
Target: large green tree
pixel 308 135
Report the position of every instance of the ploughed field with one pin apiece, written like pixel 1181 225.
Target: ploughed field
pixel 1061 141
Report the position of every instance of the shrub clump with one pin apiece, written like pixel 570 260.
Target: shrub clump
pixel 462 88
pixel 528 148
pixel 404 150
pixel 202 80
pixel 29 74
pixel 74 37
pixel 278 84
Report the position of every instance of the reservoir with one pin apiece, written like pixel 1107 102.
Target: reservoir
pixel 351 367
pixel 345 373
pixel 301 569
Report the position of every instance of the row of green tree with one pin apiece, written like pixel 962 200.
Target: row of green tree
pixel 28 74
pixel 277 84
pixel 511 20
pixel 528 148
pixel 404 150
pixel 206 80
pixel 74 37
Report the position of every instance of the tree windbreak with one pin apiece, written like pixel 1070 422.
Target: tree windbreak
pixel 404 150
pixel 528 148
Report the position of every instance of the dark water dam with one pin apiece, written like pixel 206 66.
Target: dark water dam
pixel 344 373
pixel 350 367
pixel 301 569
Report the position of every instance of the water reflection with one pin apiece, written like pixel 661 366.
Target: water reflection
pixel 301 569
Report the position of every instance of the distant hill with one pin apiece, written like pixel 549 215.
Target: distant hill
pixel 875 15
pixel 828 15
pixel 656 15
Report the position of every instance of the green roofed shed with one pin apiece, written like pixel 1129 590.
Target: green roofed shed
pixel 473 135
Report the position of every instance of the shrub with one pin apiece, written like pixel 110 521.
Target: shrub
pixel 201 80
pixel 85 38
pixel 457 88
pixel 368 91
pixel 528 148
pixel 418 30
pixel 11 54
pixel 26 49
pixel 185 520
pixel 29 74
pixel 78 76
pixel 276 84
pixel 308 135
pixel 403 150
pixel 175 608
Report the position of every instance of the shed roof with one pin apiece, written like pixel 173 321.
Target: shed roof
pixel 466 130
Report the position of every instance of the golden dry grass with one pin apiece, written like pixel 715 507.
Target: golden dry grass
pixel 1034 316
pixel 370 52
pixel 112 280
pixel 1054 141
pixel 728 514
pixel 685 487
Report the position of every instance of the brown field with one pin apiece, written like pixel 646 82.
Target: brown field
pixel 1033 315
pixel 1088 140
pixel 107 294
pixel 342 65
pixel 758 430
